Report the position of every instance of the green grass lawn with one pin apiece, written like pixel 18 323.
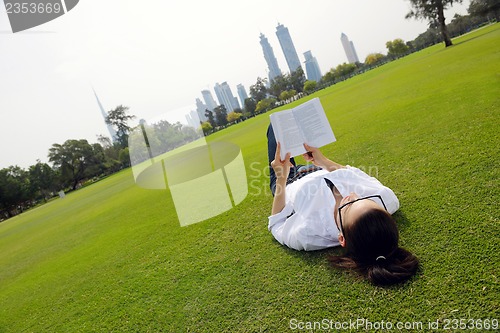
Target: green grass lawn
pixel 112 256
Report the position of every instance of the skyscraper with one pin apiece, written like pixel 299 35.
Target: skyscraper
pixel 272 63
pixel 242 93
pixel 312 68
pixel 209 100
pixel 292 59
pixel 225 96
pixel 350 52
pixel 111 130
pixel 193 119
pixel 200 109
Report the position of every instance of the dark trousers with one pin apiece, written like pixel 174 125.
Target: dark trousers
pixel 271 152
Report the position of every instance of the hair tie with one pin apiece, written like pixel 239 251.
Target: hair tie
pixel 380 257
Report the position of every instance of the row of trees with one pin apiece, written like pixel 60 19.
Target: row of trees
pixel 159 138
pixel 76 161
pixel 433 11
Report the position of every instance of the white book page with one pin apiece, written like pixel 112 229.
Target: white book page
pixel 313 123
pixel 287 133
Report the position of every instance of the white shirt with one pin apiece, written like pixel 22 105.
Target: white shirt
pixel 307 220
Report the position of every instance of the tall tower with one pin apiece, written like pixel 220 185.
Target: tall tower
pixel 292 59
pixel 349 49
pixel 233 100
pixel 200 109
pixel 209 100
pixel 312 68
pixel 111 130
pixel 225 96
pixel 272 63
pixel 242 93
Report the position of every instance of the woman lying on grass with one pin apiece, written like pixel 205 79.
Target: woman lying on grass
pixel 327 204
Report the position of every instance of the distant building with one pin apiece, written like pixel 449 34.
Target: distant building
pixel 349 49
pixel 209 100
pixel 193 119
pixel 111 130
pixel 312 68
pixel 242 93
pixel 200 110
pixel 225 96
pixel 292 59
pixel 272 63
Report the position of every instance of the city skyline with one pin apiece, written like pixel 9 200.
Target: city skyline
pixel 150 61
pixel 223 91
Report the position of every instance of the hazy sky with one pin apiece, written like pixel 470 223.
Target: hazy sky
pixel 156 56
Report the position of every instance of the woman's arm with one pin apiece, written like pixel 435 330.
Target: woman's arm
pixel 281 169
pixel 279 196
pixel 315 156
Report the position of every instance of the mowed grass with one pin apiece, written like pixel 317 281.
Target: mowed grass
pixel 112 256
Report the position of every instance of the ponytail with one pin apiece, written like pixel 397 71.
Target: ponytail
pixel 373 251
pixel 398 268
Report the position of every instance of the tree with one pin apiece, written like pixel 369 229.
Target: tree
pixel 14 189
pixel 310 86
pixel 433 10
pixel 258 91
pixel 210 116
pixel 73 158
pixel 396 48
pixel 297 80
pixel 279 84
pixel 329 77
pixel 220 115
pixel 124 157
pixel 459 25
pixel 374 58
pixel 206 128
pixel 428 38
pixel 165 136
pixel 111 154
pixel 344 70
pixel 119 119
pixel 233 117
pixel 42 180
pixel 485 8
pixel 96 164
pixel 265 105
pixel 287 94
pixel 250 106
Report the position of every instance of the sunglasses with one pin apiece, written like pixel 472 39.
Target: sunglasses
pixel 371 197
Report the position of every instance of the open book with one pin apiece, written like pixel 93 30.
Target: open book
pixel 305 123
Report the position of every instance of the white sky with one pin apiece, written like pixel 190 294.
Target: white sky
pixel 156 56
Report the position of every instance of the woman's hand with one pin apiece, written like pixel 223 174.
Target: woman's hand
pixel 281 167
pixel 315 156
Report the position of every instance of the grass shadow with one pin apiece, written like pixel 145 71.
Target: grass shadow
pixel 401 220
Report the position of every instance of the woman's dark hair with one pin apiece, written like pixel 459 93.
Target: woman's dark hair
pixel 372 250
